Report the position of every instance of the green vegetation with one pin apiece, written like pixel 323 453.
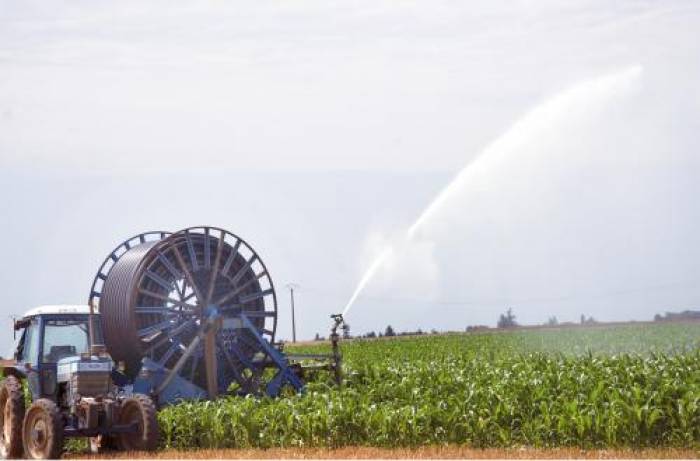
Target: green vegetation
pixel 626 386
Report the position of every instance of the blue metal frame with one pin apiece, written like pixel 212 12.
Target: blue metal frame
pixel 285 375
pixel 174 388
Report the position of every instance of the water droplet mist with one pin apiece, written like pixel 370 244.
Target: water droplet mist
pixel 585 96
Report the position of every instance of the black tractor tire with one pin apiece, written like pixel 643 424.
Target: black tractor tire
pixel 11 418
pixel 42 431
pixel 140 410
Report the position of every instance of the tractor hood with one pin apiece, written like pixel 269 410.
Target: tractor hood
pixel 76 364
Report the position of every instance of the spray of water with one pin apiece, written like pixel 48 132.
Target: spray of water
pixel 575 99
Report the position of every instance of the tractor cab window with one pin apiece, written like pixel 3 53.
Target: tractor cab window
pixel 64 338
pixel 29 344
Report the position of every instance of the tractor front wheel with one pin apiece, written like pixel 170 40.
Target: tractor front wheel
pixel 43 431
pixel 140 412
pixel 11 417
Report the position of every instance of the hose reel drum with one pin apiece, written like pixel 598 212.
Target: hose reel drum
pixel 199 303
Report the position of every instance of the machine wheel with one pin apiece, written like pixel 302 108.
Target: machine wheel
pixel 43 431
pixel 140 410
pixel 11 417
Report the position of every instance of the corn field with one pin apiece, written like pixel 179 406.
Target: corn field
pixel 626 386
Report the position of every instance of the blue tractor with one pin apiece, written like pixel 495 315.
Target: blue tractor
pixel 69 384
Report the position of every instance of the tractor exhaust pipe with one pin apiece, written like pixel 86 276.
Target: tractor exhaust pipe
pixel 97 348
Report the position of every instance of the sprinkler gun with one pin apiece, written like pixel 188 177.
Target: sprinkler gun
pixel 338 322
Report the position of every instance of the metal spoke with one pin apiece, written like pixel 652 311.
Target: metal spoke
pixel 180 290
pixel 261 294
pixel 153 329
pixel 190 250
pixel 188 275
pixel 240 355
pixel 232 255
pixel 259 314
pixel 169 265
pixel 154 310
pixel 238 290
pixel 180 363
pixel 231 363
pixel 243 270
pixel 207 249
pixel 217 258
pixel 184 306
pixel 170 352
pixel 171 335
pixel 160 296
pixel 159 280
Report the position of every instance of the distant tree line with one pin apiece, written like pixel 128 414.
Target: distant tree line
pixel 677 316
pixel 388 332
pixel 508 320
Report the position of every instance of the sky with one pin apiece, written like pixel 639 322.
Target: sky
pixel 320 131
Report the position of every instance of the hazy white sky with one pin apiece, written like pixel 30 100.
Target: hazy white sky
pixel 318 129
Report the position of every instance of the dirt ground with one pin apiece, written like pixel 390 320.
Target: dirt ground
pixel 449 452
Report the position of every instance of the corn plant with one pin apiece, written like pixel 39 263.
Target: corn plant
pixel 629 386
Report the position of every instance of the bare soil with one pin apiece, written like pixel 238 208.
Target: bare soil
pixel 435 452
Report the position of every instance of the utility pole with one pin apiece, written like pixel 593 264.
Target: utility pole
pixel 292 287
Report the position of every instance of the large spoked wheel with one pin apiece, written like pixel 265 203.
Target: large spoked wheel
pixel 11 417
pixel 43 431
pixel 158 297
pixel 140 412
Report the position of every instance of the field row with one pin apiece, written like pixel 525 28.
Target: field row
pixel 622 387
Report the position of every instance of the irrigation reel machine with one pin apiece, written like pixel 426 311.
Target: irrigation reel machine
pixel 172 316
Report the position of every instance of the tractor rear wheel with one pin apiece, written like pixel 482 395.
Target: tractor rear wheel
pixel 140 411
pixel 11 417
pixel 43 431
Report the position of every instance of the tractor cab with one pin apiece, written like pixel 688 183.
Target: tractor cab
pixel 50 334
